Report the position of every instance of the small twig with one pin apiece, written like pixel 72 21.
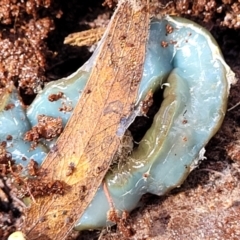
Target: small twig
pixel 18 201
pixel 210 170
pixel 107 194
pixel 230 109
pixel 29 191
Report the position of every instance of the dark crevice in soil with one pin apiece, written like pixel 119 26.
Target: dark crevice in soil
pixel 142 123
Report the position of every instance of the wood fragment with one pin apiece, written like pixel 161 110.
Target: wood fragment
pixel 85 38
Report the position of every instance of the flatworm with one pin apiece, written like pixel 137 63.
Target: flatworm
pixel 195 97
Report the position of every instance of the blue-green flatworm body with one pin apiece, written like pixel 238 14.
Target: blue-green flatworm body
pixel 197 79
pixel 14 123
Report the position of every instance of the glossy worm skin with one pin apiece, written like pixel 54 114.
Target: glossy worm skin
pixel 14 123
pixel 197 82
pixel 194 105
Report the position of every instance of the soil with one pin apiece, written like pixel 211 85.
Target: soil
pixel 33 52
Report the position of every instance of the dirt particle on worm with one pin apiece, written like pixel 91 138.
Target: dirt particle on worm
pixel 9 106
pixel 164 44
pixel 33 168
pixel 169 29
pixel 55 96
pixel 47 128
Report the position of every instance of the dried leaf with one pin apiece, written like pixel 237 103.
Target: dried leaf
pixel 89 140
pixel 85 38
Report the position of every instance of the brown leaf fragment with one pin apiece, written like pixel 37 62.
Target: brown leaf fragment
pixel 89 140
pixel 85 38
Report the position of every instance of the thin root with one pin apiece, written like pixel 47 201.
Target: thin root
pixel 230 109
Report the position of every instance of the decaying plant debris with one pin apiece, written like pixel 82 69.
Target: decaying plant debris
pixel 32 52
